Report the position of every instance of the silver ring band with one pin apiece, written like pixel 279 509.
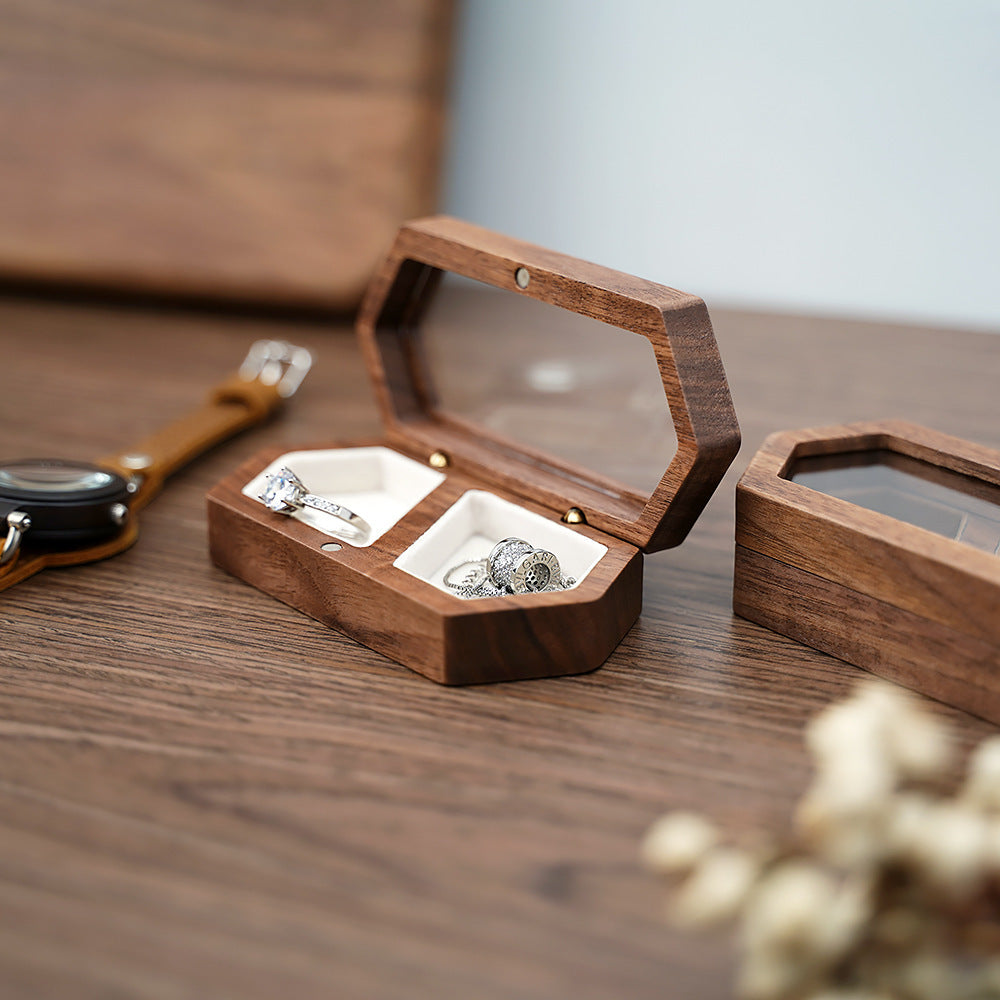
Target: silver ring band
pixel 354 521
pixel 285 493
pixel 466 575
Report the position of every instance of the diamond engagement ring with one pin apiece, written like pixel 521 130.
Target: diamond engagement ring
pixel 513 567
pixel 286 494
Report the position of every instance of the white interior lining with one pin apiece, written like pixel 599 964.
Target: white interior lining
pixel 474 524
pixel 376 483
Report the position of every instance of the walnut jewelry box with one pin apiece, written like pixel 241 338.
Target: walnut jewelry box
pixel 879 543
pixel 524 394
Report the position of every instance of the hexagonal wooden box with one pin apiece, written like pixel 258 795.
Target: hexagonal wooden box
pixel 878 543
pixel 437 483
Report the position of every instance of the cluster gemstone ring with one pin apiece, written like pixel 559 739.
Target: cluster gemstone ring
pixel 513 567
pixel 285 493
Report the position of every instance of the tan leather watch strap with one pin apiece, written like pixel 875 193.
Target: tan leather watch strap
pixel 271 372
pixel 29 563
pixel 231 407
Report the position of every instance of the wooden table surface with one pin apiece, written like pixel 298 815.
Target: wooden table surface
pixel 205 794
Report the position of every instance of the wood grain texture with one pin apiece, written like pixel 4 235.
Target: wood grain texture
pixel 873 590
pixel 450 640
pixel 204 793
pixel 903 646
pixel 676 324
pixel 217 149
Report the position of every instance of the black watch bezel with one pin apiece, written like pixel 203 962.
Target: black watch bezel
pixel 67 518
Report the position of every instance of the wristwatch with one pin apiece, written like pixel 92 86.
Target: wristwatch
pixel 61 513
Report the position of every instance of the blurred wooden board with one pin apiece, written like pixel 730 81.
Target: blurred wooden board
pixel 255 151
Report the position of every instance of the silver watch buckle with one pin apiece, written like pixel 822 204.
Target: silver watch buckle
pixel 278 363
pixel 17 524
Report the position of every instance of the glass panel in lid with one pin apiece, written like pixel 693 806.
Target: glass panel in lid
pixel 910 490
pixel 551 381
pixel 53 476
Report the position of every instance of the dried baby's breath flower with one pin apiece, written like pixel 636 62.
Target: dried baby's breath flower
pixel 950 847
pixel 840 814
pixel 798 923
pixel 839 828
pixel 856 784
pixel 788 905
pixel 864 747
pixel 905 820
pixel 769 975
pixel 886 892
pixel 677 842
pixel 982 782
pixel 848 726
pixel 716 888
pixel 884 724
pixel 847 918
pixel 918 744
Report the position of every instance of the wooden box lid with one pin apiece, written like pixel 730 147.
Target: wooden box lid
pixel 889 558
pixel 878 543
pixel 676 324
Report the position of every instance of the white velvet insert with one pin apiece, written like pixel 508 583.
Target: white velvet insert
pixel 377 483
pixel 476 522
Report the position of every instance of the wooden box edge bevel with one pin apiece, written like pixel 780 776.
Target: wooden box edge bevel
pixel 894 598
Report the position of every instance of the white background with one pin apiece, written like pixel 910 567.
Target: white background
pixel 828 157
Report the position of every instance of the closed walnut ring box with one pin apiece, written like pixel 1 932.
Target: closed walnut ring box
pixel 441 484
pixel 878 543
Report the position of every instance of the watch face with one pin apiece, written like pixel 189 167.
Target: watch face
pixel 70 504
pixel 52 476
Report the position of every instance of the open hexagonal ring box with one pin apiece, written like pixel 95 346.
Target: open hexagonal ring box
pixel 525 395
